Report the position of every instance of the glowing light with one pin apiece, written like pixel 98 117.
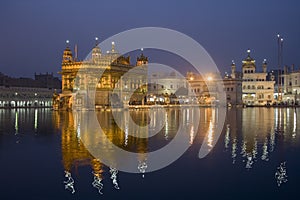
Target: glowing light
pixel 113 43
pixel 248 51
pixel 209 78
pixel 96 38
pixel 142 49
pixel 67 41
pixel 278 35
pixel 35 119
pixel 281 39
pixel 16 123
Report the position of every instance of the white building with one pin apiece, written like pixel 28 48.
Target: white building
pixel 165 85
pixel 257 90
pixel 291 85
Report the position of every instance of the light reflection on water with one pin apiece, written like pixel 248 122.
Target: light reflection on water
pixel 250 136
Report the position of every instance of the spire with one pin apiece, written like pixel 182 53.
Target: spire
pixel 264 66
pixel 248 51
pixel 67 43
pixel 96 41
pixel 76 52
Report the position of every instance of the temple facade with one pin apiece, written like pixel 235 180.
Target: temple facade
pixel 101 80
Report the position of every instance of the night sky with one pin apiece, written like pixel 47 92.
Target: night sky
pixel 33 33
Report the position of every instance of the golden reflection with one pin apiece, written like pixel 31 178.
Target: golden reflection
pixel 74 154
pixel 210 132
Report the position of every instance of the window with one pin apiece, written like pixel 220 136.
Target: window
pixel 249 87
pixel 171 86
pixel 253 87
pixel 231 89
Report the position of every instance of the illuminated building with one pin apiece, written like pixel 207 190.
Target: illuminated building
pixel 206 89
pixel 165 85
pixel 81 78
pixel 233 87
pixel 257 90
pixel 27 92
pixel 291 85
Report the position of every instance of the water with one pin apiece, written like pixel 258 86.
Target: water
pixel 38 147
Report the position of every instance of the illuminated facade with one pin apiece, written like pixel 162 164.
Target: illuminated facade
pixel 233 87
pixel 27 92
pixel 257 90
pixel 291 85
pixel 164 86
pixel 80 80
pixel 206 90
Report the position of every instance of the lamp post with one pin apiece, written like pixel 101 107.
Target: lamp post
pixel 280 58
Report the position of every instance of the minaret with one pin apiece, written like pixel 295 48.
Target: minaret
pixel 67 55
pixel 113 47
pixel 141 60
pixel 233 69
pixel 264 66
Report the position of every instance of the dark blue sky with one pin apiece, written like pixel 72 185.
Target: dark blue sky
pixel 33 32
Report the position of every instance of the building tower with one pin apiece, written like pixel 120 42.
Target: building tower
pixel 248 65
pixel 264 66
pixel 96 52
pixel 233 70
pixel 67 55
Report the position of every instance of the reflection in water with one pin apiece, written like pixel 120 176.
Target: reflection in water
pixel 227 136
pixel 113 177
pixel 74 153
pixel 35 119
pixel 210 119
pixel 261 129
pixel 281 174
pixel 97 183
pixel 295 124
pixel 69 183
pixel 16 123
pixel 142 167
pixel 251 135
